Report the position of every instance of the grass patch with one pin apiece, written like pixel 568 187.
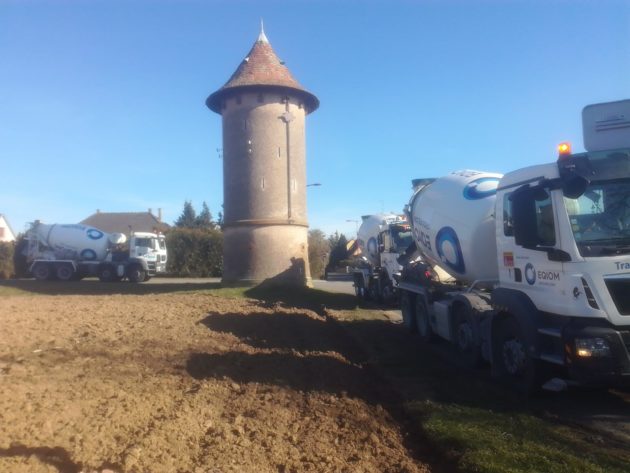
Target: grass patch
pixel 496 442
pixel 477 424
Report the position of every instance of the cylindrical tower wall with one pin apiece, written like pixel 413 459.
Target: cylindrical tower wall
pixel 264 166
pixel 264 171
pixel 266 253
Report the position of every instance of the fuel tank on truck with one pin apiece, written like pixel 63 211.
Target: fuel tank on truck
pixel 367 236
pixel 453 224
pixel 76 241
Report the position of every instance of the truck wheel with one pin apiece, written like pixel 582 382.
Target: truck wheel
pixel 136 274
pixel 514 365
pixel 464 337
pixel 107 273
pixel 387 292
pixel 65 272
pixel 423 324
pixel 42 271
pixel 408 311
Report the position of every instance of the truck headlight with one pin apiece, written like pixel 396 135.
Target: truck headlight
pixel 591 347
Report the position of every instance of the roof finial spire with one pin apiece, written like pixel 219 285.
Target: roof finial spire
pixel 262 38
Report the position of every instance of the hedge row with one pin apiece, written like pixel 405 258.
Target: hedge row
pixel 195 252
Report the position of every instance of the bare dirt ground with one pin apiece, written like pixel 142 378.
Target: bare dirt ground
pixel 187 383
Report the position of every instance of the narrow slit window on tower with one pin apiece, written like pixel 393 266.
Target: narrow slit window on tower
pixel 262 183
pixel 279 152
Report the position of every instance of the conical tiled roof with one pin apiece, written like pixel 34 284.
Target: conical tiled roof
pixel 261 68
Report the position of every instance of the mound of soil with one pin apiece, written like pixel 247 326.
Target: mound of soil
pixel 186 383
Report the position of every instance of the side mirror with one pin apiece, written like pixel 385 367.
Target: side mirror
pixel 574 186
pixel 524 217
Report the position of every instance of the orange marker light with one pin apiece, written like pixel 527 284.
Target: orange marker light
pixel 564 148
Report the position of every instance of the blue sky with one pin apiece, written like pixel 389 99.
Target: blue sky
pixel 102 102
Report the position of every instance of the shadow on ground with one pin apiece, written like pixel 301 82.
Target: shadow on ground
pixel 303 297
pixel 309 354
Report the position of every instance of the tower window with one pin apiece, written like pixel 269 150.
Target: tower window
pixel 262 183
pixel 279 152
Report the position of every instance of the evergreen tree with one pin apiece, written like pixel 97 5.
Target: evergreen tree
pixel 204 219
pixel 338 249
pixel 188 218
pixel 318 251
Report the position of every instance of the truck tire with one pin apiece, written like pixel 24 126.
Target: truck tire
pixel 107 273
pixel 408 311
pixel 42 271
pixel 135 273
pixel 423 324
pixel 387 291
pixel 65 272
pixel 514 365
pixel 464 338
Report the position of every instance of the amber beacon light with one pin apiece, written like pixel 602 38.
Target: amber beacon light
pixel 564 149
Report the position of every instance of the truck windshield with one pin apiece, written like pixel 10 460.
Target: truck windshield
pixel 600 218
pixel 145 242
pixel 402 240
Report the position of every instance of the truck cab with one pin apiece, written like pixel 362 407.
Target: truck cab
pixel 150 247
pixel 563 247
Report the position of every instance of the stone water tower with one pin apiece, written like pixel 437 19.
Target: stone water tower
pixel 264 171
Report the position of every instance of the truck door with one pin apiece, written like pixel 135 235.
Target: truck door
pixel 531 264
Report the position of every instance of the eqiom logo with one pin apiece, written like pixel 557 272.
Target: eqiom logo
pixel 530 274
pixel 481 188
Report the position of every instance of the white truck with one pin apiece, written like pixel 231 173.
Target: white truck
pixel 74 251
pixel 530 271
pixel 381 239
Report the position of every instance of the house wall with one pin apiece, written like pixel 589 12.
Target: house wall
pixel 6 234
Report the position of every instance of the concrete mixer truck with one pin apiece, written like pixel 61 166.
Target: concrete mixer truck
pixel 67 252
pixel 381 239
pixel 530 271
